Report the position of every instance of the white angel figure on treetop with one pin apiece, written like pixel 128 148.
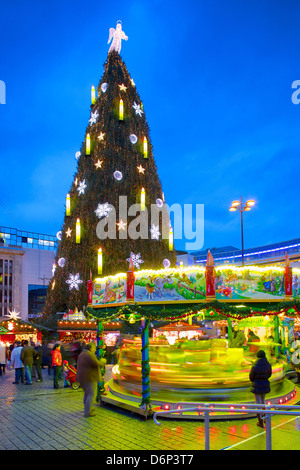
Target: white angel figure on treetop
pixel 117 35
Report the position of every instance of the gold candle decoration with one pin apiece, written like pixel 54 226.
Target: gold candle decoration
pixel 100 260
pixel 171 239
pixel 93 95
pixel 68 205
pixel 88 145
pixel 143 199
pixel 145 148
pixel 78 231
pixel 121 110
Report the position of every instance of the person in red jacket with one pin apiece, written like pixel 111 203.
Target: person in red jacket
pixel 56 364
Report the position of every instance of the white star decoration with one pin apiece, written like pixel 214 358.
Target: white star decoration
pixel 74 281
pixel 136 259
pixel 123 87
pixel 141 169
pixel 102 210
pixel 98 164
pixel 137 108
pixel 155 232
pixel 81 187
pixel 13 315
pixel 94 117
pixel 121 225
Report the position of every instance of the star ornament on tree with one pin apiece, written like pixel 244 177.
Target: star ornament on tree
pixel 141 169
pixel 98 164
pixel 101 136
pixel 121 225
pixel 74 281
pixel 136 259
pixel 94 117
pixel 122 87
pixel 103 210
pixel 81 187
pixel 137 108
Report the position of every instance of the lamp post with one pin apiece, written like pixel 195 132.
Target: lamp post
pixel 242 207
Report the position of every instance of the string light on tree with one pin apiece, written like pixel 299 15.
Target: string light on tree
pixel 145 147
pixel 88 145
pixel 78 231
pixel 171 239
pixel 121 110
pixel 143 199
pixel 100 260
pixel 68 205
pixel 93 95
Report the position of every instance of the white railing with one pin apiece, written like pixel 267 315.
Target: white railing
pixel 206 408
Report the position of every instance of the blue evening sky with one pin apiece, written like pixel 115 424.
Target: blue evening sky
pixel 215 77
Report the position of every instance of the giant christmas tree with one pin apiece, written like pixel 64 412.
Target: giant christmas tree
pixel 116 160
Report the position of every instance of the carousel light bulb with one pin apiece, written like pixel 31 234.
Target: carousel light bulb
pixel 68 205
pixel 78 231
pixel 93 95
pixel 171 239
pixel 88 144
pixel 100 261
pixel 143 199
pixel 121 110
pixel 145 148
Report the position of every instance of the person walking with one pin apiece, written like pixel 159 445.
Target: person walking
pixel 17 364
pixel 88 375
pixel 38 362
pixel 56 364
pixel 259 375
pixel 3 357
pixel 28 354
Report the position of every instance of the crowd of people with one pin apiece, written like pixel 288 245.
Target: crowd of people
pixel 28 359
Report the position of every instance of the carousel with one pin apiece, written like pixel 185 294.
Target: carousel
pixel 200 331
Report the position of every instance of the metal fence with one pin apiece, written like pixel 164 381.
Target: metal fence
pixel 267 411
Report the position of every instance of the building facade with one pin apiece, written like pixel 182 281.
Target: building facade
pixel 26 261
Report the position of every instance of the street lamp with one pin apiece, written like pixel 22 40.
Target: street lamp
pixel 242 207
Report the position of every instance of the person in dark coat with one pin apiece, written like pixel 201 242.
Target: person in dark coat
pixel 259 375
pixel 38 362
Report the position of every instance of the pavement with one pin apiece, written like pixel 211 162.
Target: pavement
pixel 38 417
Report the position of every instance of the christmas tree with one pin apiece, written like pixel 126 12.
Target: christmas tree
pixel 115 171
